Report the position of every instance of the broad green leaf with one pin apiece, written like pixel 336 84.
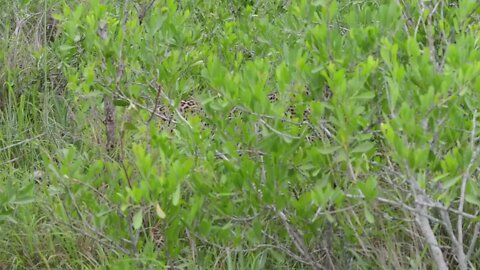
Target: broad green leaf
pixel 121 102
pixel 138 219
pixel 159 211
pixel 363 147
pixel 449 182
pixel 472 193
pixel 369 216
pixel 327 150
pixel 176 196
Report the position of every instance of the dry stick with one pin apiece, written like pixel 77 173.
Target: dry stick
pixel 296 239
pixel 157 99
pixel 430 238
pixel 431 42
pixel 419 20
pixel 406 16
pixel 420 196
pixel 460 252
pixel 193 245
pixel 257 247
pixel 329 38
pixel 111 244
pixel 454 211
pixel 473 241
pixel 108 104
pixel 292 233
pixel 427 204
pixel 21 142
pixel 104 240
pixel 282 134
pixel 445 39
pixel 108 99
pixel 423 221
pixel 119 212
pixel 449 228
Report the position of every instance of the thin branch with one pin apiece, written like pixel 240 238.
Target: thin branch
pixel 398 204
pixel 449 227
pixel 466 175
pixel 21 142
pixel 430 38
pixel 157 99
pixel 296 239
pixel 473 242
pixel 282 134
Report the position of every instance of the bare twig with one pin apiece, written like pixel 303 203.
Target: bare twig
pixel 430 38
pixel 193 245
pixel 296 238
pixel 282 134
pixel 421 217
pixel 257 247
pixel 157 99
pixel 21 142
pixel 460 252
pixel 448 226
pixel 429 236
pixel 398 204
pixel 473 242
pixel 108 102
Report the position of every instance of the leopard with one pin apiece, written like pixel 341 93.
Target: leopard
pixel 191 106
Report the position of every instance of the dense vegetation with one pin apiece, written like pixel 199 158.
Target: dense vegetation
pixel 275 134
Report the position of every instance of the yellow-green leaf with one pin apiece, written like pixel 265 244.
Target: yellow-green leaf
pixel 159 211
pixel 137 219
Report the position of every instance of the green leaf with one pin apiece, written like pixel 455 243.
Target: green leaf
pixel 26 190
pixel 368 188
pixel 7 218
pixel 65 47
pixel 138 219
pixel 121 102
pixel 89 74
pixel 449 182
pixel 327 150
pixel 369 216
pixel 363 147
pixel 318 69
pixel 176 196
pixel 365 95
pixel 58 17
pixel 130 126
pixel 159 211
pixel 471 198
pixel 472 194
